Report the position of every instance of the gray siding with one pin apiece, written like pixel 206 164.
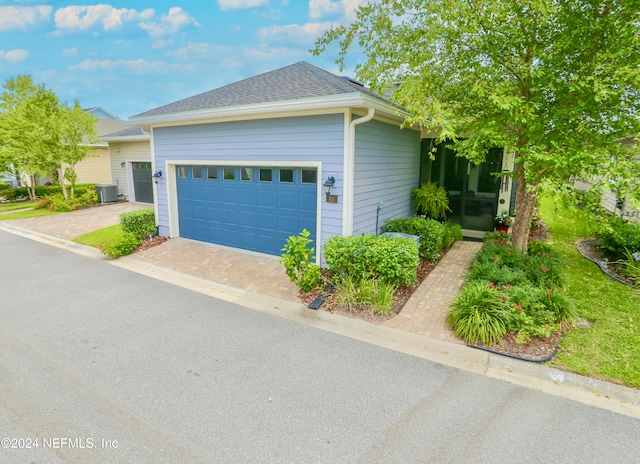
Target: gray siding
pixel 608 202
pixel 279 140
pixel 387 168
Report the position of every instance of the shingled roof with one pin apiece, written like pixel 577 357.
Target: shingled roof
pixel 297 81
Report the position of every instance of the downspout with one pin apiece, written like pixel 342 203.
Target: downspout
pixel 349 173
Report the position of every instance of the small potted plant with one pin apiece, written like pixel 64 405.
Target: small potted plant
pixel 502 222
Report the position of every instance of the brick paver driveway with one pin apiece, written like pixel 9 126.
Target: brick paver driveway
pixel 76 223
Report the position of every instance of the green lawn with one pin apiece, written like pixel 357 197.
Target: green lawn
pixel 100 237
pixel 610 348
pixel 28 214
pixel 16 205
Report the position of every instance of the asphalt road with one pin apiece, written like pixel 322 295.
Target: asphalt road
pixel 99 364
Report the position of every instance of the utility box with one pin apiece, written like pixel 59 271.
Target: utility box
pixel 415 238
pixel 107 193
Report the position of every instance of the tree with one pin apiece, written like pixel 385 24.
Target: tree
pixel 554 81
pixel 39 134
pixel 28 137
pixel 77 130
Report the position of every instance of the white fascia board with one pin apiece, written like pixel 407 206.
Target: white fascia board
pixel 130 138
pixel 337 102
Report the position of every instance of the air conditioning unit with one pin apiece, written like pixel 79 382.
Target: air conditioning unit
pixel 107 193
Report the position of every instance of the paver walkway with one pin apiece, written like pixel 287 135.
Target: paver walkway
pixel 426 311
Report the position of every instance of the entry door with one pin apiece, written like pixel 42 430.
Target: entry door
pixel 142 182
pixel 472 190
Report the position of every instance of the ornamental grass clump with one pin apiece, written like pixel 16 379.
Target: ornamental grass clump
pixel 479 314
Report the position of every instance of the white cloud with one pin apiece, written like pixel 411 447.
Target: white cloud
pixel 170 23
pixel 266 53
pixel 81 18
pixel 319 8
pixel 193 49
pixel 71 51
pixel 305 33
pixel 14 56
pixel 139 66
pixel 240 4
pixel 22 17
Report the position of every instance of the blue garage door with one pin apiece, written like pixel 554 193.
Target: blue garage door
pixel 243 207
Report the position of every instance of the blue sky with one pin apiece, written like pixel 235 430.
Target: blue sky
pixel 132 56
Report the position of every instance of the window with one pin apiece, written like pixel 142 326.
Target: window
pixel 182 172
pixel 229 173
pixel 309 176
pixel 212 173
pixel 286 175
pixel 196 172
pixel 266 175
pixel 246 173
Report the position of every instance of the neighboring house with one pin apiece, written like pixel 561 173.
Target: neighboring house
pixel 244 165
pixel 96 167
pixel 610 201
pixel 130 157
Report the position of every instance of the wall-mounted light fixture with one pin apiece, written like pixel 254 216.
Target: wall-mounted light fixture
pixel 328 185
pixel 123 164
pixel 157 175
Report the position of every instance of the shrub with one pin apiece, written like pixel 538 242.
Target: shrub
pixel 431 200
pixel 8 194
pixel 141 223
pixel 41 203
pixel 535 311
pixel 493 272
pixel 393 260
pixel 431 232
pixel 479 314
pixel 58 203
pixel 297 263
pixel 87 198
pixel 121 246
pixel 47 190
pixel 453 233
pixel 5 186
pixel 617 234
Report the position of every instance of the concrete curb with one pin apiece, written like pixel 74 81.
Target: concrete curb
pixel 596 393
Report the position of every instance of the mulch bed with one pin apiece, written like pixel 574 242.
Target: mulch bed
pixel 590 249
pixel 150 243
pixel 537 349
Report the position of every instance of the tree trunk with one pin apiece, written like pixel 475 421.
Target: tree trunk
pixel 526 201
pixel 31 188
pixel 63 186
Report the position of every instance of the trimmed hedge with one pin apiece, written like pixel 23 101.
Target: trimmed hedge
pixel 391 259
pixel 141 223
pixel 48 190
pixel 433 234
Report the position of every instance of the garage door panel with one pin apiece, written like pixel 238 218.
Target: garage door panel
pixel 287 199
pixel 248 218
pixel 251 214
pixel 247 197
pixel 267 197
pixel 266 221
